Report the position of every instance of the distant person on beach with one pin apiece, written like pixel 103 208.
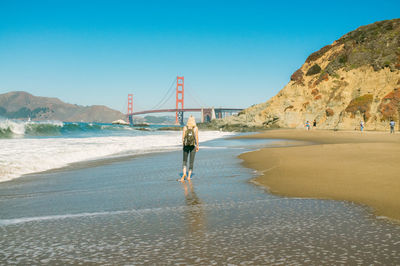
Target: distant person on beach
pixel 392 124
pixel 307 125
pixel 190 140
pixel 362 126
pixel 314 124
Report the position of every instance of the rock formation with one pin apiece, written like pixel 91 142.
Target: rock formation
pixel 355 78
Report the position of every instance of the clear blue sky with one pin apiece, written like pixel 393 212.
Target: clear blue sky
pixel 232 53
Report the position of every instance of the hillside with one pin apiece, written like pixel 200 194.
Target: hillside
pixel 22 105
pixel 355 78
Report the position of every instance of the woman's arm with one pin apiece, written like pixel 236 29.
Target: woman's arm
pixel 197 139
pixel 183 134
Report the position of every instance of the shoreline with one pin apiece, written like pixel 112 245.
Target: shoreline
pixel 26 156
pixel 335 165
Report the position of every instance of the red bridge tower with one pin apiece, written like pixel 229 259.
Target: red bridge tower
pixel 179 100
pixel 130 108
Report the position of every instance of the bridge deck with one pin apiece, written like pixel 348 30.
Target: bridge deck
pixel 186 110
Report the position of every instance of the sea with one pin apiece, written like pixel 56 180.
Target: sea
pixel 101 194
pixel 30 147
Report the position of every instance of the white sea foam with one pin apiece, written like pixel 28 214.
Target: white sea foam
pixel 138 212
pixel 19 128
pixel 13 127
pixel 5 222
pixel 30 155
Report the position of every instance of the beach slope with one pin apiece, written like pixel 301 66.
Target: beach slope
pixel 352 166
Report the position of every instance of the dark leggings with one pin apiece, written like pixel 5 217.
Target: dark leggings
pixel 186 151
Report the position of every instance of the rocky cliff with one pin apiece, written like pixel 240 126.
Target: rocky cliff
pixel 355 78
pixel 24 105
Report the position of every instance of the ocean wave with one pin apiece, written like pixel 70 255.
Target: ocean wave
pixel 20 156
pixel 14 128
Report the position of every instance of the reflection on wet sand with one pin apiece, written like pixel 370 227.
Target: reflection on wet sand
pixel 194 215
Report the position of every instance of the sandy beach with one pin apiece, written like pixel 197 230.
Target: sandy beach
pixel 351 166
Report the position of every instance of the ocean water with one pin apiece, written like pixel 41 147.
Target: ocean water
pixel 30 147
pixel 130 210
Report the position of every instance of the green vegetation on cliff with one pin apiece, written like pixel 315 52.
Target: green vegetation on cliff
pixel 315 69
pixel 377 45
pixel 362 105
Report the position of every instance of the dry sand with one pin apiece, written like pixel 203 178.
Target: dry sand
pixel 353 166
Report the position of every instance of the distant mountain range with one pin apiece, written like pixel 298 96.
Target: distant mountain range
pixel 23 105
pixel 159 120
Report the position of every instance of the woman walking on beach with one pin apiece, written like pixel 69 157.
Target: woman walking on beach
pixel 190 140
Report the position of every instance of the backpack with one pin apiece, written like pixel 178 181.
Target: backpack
pixel 190 139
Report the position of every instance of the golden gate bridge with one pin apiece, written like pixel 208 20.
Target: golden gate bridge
pixel 207 113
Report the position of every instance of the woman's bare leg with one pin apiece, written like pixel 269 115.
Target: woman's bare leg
pixel 183 174
pixel 190 174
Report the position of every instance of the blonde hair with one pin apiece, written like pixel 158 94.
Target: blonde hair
pixel 191 122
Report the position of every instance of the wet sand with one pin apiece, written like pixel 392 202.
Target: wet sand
pixel 352 166
pixel 134 212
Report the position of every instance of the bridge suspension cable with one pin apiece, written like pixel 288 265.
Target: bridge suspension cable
pixel 179 109
pixel 167 98
pixel 197 99
pixel 168 94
